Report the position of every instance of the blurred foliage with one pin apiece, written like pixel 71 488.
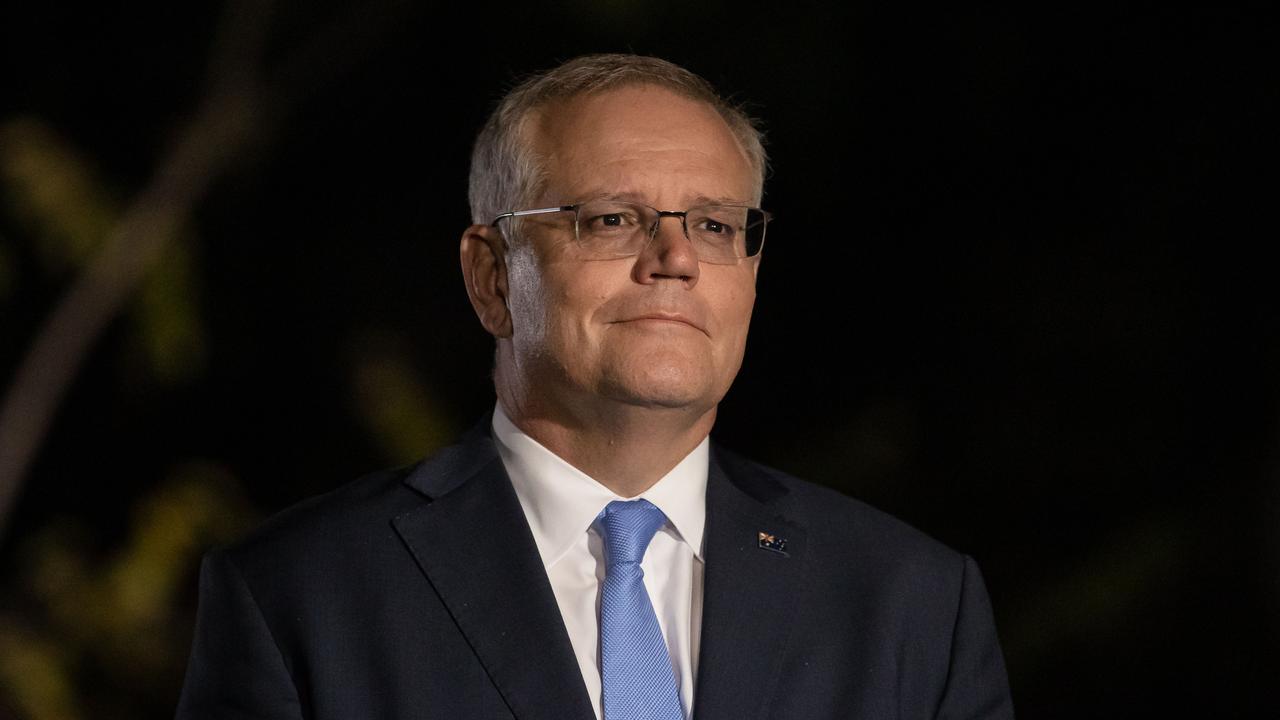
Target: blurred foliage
pixel 52 191
pixel 8 275
pixel 403 417
pixel 77 609
pixel 67 212
pixel 34 670
pixel 167 328
pixel 74 609
pixel 1096 599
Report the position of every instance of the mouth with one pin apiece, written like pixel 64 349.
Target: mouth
pixel 665 319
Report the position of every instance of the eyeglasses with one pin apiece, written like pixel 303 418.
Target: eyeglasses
pixel 720 234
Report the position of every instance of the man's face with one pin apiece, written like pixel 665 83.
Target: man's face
pixel 659 329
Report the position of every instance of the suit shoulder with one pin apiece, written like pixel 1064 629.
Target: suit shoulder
pixel 844 523
pixel 340 516
pixel 354 523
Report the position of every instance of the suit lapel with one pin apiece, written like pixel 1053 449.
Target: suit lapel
pixel 474 545
pixel 746 617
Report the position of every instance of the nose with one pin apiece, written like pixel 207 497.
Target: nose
pixel 669 254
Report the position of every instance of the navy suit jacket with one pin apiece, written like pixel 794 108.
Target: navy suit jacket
pixel 419 593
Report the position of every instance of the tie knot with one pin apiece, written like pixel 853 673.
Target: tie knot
pixel 628 526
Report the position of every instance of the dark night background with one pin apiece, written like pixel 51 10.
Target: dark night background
pixel 1013 295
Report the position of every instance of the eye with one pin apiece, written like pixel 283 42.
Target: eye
pixel 713 226
pixel 717 223
pixel 609 218
pixel 610 221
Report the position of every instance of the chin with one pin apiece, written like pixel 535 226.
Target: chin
pixel 663 385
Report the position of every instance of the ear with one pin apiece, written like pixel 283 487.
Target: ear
pixel 484 269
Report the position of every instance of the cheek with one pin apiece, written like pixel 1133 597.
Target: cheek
pixel 581 291
pixel 734 308
pixel 526 298
pixel 571 303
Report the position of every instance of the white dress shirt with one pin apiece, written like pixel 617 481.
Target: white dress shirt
pixel 561 504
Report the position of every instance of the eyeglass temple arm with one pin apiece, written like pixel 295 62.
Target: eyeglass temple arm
pixel 536 211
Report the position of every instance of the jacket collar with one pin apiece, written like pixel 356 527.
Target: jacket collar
pixel 747 618
pixel 472 519
pixel 475 548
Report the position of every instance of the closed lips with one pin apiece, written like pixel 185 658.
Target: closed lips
pixel 666 317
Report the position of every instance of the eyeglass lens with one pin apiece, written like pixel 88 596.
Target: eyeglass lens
pixel 719 233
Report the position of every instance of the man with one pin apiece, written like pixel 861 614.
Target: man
pixel 586 552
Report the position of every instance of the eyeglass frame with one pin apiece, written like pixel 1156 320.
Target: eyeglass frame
pixel 652 231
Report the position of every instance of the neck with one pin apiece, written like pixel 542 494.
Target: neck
pixel 623 447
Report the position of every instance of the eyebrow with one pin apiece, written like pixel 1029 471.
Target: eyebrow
pixel 636 197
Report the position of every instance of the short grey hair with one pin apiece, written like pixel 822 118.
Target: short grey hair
pixel 506 172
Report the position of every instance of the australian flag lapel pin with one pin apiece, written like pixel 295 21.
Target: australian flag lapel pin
pixel 773 543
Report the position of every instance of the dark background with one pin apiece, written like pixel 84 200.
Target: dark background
pixel 1014 295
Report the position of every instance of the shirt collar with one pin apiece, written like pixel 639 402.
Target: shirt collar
pixel 561 502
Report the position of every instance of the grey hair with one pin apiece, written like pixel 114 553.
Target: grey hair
pixel 507 173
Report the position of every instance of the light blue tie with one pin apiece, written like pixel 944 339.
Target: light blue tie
pixel 635 669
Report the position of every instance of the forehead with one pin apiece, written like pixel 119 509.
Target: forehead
pixel 630 138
